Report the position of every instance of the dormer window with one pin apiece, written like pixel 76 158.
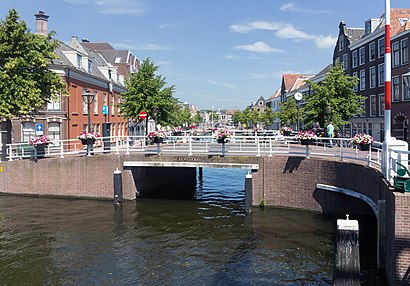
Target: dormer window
pixel 90 65
pixel 79 61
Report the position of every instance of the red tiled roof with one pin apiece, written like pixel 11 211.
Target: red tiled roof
pixel 289 80
pixel 399 20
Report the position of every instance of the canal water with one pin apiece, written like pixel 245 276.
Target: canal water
pixel 206 241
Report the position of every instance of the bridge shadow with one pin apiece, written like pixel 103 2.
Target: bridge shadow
pixel 292 164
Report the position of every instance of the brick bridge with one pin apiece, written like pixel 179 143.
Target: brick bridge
pixel 316 184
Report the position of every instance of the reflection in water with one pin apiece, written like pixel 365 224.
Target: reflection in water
pixel 207 241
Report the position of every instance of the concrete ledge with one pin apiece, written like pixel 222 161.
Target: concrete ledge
pixel 351 193
pixel 190 164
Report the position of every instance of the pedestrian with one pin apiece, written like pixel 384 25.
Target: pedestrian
pixel 330 129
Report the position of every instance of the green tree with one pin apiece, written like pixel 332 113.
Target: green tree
pixel 288 112
pixel 197 118
pixel 267 117
pixel 26 83
pixel 333 99
pixel 146 91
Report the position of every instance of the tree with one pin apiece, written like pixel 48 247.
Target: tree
pixel 333 99
pixel 197 118
pixel 288 112
pixel 267 117
pixel 146 91
pixel 26 84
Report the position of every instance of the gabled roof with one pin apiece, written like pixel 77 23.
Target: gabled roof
pixel 288 80
pixel 97 46
pixel 276 94
pixel 353 34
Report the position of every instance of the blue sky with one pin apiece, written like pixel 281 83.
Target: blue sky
pixel 221 53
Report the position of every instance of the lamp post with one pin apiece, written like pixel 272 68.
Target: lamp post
pixel 298 97
pixel 87 95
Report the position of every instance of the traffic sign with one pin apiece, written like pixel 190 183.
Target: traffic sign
pixel 105 109
pixel 143 115
pixel 39 129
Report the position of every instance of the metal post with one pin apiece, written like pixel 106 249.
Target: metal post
pixel 89 115
pixel 118 197
pixel 248 193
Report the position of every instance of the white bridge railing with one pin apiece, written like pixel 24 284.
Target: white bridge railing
pixel 251 145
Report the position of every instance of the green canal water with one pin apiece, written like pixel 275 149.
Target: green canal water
pixel 206 241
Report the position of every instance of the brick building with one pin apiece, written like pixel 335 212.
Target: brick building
pixel 361 52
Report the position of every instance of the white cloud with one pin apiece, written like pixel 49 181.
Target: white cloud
pixel 223 84
pixel 116 7
pixel 282 30
pixel 291 32
pixel 288 7
pixel 292 7
pixel 324 42
pixel 258 47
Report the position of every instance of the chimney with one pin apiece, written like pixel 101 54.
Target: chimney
pixel 74 42
pixel 41 23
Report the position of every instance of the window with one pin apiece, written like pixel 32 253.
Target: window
pixel 372 72
pixel 355 59
pixel 381 104
pixel 372 51
pixel 362 80
pixel 356 86
pixel 341 43
pixel 381 75
pixel 84 101
pixel 112 104
pixel 362 56
pixel 404 51
pixel 345 62
pixel 54 132
pixel 90 65
pixel 406 87
pixel 95 102
pixel 79 65
pixel 373 110
pixel 54 104
pixel 395 55
pixel 381 47
pixel 28 131
pixel 395 89
pixel 104 98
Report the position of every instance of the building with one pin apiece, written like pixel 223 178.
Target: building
pixel 361 52
pixel 86 72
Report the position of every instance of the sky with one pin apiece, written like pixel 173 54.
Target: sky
pixel 221 54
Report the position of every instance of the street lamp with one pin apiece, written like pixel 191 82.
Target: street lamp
pixel 87 97
pixel 298 97
pixel 328 111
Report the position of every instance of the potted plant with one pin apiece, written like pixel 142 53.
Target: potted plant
pixel 363 141
pixel 40 143
pixel 156 137
pixel 88 138
pixel 306 137
pixel 286 130
pixel 222 136
pixel 177 131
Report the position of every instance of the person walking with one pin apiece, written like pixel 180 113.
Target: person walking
pixel 330 129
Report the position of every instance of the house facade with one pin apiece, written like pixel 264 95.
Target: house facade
pixel 361 53
pixel 86 72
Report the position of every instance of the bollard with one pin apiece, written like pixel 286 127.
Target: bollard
pixel 347 260
pixel 117 187
pixel 248 193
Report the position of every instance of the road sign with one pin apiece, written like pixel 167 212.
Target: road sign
pixel 143 115
pixel 39 129
pixel 105 109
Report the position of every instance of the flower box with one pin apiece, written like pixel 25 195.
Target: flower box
pixel 364 147
pixel 286 133
pixel 307 141
pixel 88 141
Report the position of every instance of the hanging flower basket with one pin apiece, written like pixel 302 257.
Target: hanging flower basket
pixel 363 141
pixel 88 138
pixel 222 140
pixel 286 130
pixel 158 140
